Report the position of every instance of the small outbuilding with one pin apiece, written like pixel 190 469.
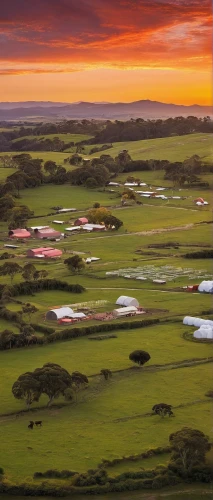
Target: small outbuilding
pixel 126 301
pixel 53 253
pixel 19 233
pixel 61 312
pixel 81 221
pixel 94 227
pixel 206 286
pixel 124 311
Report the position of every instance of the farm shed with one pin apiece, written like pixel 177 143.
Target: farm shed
pixel 125 301
pixel 81 221
pixel 38 227
pixel 47 233
pixel 61 312
pixel 65 210
pixel 74 228
pixel 124 311
pixel 19 233
pixel 33 252
pixel 52 253
pixel 91 259
pixel 206 287
pixel 94 227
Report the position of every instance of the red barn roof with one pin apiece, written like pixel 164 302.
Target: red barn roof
pixel 19 233
pixel 54 252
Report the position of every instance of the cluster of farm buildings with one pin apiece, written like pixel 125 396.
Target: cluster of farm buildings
pixel 129 306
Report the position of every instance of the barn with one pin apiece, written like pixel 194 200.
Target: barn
pixel 48 234
pixel 19 233
pixel 33 252
pixel 61 312
pixel 125 301
pixel 81 221
pixel 124 311
pixel 52 253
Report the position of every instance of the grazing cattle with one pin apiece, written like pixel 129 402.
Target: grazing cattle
pixel 31 425
pixel 38 423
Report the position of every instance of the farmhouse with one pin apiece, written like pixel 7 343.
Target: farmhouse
pixel 124 311
pixel 61 312
pixel 125 301
pixel 47 233
pixel 19 233
pixel 81 221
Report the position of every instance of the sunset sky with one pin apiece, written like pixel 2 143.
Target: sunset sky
pixel 106 50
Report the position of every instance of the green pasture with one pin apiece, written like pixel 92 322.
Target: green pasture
pixel 66 138
pixel 79 436
pixel 41 199
pixel 176 148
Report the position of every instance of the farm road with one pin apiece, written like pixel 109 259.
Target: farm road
pixel 148 233
pixel 136 289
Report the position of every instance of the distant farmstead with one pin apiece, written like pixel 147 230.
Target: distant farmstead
pixel 19 233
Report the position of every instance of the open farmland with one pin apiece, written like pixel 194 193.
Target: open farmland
pixel 152 242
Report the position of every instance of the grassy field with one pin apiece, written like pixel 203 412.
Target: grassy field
pixel 78 436
pixel 66 138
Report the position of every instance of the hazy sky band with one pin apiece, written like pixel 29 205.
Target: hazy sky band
pixel 57 42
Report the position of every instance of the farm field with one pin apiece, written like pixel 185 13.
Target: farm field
pixel 67 138
pixel 109 418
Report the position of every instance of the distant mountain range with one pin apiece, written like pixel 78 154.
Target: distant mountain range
pixel 47 110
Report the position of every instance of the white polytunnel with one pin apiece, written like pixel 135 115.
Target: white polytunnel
pixel 125 301
pixel 61 312
pixel 206 286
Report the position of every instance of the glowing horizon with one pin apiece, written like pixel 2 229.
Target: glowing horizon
pixel 60 50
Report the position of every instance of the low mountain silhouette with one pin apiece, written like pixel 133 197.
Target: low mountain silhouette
pixel 100 111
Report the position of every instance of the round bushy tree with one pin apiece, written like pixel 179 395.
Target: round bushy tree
pixel 139 357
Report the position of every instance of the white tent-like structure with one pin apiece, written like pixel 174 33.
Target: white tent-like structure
pixel 204 332
pixel 198 322
pixel 125 301
pixel 124 311
pixel 206 286
pixel 61 312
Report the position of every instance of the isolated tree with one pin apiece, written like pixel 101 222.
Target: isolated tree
pixel 106 373
pixel 29 309
pixel 123 158
pixel 40 274
pixel 128 194
pixel 75 263
pixel 28 388
pixel 28 271
pixel 139 357
pixel 19 216
pixel 189 447
pixel 11 269
pixel 112 222
pixel 96 205
pixel 53 379
pixel 98 215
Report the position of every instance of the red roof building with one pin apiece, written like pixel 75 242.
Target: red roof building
pixel 19 233
pixel 33 252
pixel 47 233
pixel 81 221
pixel 52 254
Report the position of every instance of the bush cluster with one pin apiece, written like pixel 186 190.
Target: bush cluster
pixel 202 254
pixel 54 473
